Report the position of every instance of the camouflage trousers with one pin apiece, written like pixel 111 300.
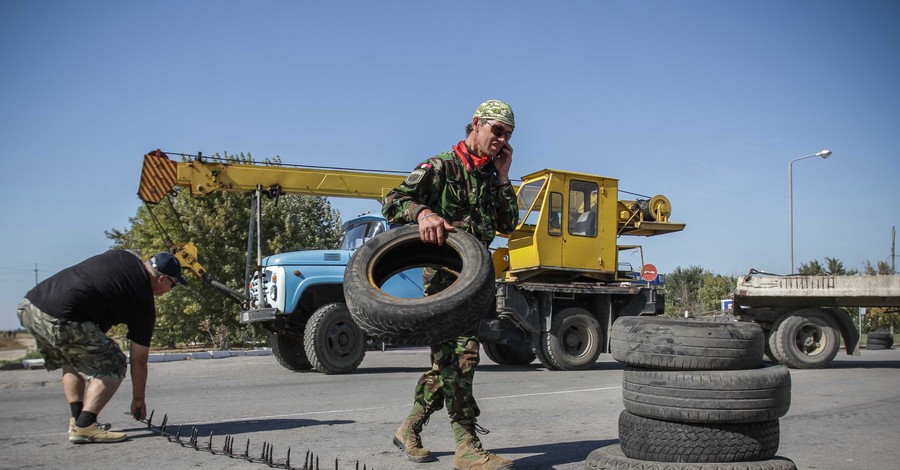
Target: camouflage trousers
pixel 450 379
pixel 79 345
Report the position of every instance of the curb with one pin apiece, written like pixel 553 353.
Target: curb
pixel 172 357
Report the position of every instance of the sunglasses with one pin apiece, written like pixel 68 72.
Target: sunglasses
pixel 500 131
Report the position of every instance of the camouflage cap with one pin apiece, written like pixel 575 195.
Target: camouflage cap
pixel 496 110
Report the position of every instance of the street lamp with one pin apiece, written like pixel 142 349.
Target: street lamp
pixel 824 154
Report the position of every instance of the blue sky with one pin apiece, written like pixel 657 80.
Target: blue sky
pixel 705 102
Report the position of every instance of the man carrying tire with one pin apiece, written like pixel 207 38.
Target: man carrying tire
pixel 466 188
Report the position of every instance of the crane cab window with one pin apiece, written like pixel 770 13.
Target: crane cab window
pixel 554 223
pixel 583 208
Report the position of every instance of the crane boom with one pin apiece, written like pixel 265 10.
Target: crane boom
pixel 160 175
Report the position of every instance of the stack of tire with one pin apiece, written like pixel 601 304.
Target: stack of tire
pixel 696 397
pixel 879 339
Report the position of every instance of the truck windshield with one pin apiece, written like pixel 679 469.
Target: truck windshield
pixel 358 233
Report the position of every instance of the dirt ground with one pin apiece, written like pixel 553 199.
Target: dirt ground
pixel 27 344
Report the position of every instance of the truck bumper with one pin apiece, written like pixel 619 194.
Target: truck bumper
pixel 259 315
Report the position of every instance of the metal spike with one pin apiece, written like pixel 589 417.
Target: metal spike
pixel 317 463
pixel 336 464
pixel 162 429
pixel 287 461
pixel 247 450
pixel 178 436
pixel 150 419
pixel 209 445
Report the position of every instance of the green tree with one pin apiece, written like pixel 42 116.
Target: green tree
pixel 714 288
pixel 881 268
pixel 217 224
pixel 683 290
pixel 832 267
pixel 880 317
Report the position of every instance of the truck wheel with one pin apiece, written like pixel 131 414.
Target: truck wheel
pixel 805 340
pixel 574 340
pixel 440 317
pixel 334 344
pixel 674 344
pixel 288 350
pixel 718 396
pixel 611 457
pixel 671 441
pixel 509 354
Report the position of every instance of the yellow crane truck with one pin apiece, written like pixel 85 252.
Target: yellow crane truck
pixel 560 285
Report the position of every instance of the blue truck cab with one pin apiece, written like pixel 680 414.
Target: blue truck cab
pixel 299 298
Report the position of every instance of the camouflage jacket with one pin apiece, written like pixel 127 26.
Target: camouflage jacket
pixel 474 203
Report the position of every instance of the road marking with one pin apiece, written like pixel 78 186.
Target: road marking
pixel 404 405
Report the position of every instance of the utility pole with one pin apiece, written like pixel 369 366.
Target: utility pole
pixel 35 274
pixel 893 244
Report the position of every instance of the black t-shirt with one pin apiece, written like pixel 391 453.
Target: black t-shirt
pixel 106 289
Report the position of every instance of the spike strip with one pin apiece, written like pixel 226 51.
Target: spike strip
pixel 267 455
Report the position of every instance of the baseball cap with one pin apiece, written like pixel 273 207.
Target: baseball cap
pixel 167 264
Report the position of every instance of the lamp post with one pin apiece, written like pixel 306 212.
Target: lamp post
pixel 824 154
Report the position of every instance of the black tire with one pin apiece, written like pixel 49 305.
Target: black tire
pixel 544 358
pixel 612 458
pixel 805 340
pixel 875 347
pixel 718 396
pixel 671 441
pixel 333 342
pixel 879 334
pixel 574 341
pixel 509 354
pixel 289 351
pixel 674 344
pixel 434 319
pixel 879 338
pixel 767 349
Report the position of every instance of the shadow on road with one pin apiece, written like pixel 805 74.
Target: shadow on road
pixel 241 427
pixel 550 455
pixel 838 364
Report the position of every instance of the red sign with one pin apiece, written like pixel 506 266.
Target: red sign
pixel 648 272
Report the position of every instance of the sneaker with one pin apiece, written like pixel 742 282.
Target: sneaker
pixel 102 426
pixel 93 434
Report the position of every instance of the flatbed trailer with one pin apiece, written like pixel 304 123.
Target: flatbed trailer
pixel 803 316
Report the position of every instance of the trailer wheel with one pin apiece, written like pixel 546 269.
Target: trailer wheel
pixel 718 396
pixel 574 340
pixel 611 457
pixel 805 340
pixel 289 351
pixel 674 344
pixel 671 441
pixel 446 315
pixel 509 354
pixel 333 343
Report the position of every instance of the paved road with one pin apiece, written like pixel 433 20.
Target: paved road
pixel 842 417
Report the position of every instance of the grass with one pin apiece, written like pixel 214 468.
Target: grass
pixel 10 343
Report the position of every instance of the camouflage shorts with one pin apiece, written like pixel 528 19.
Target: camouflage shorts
pixel 79 345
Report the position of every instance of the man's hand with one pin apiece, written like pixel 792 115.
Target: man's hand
pixel 138 408
pixel 503 161
pixel 433 228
